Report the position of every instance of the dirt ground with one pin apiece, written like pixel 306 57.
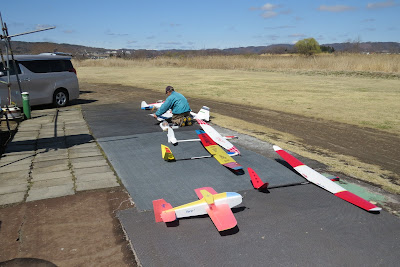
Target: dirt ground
pixel 77 230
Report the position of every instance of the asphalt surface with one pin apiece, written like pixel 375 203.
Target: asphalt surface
pixel 292 225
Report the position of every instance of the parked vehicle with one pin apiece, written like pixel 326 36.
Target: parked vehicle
pixel 49 79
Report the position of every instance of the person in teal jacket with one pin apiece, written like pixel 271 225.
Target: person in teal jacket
pixel 179 106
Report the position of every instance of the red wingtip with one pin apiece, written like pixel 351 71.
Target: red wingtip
pixel 358 201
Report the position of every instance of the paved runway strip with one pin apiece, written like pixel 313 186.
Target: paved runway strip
pixel 296 225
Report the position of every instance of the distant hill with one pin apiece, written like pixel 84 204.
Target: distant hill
pixel 84 51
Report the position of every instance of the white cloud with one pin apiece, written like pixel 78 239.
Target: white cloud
pixel 338 8
pixel 269 7
pixel 269 14
pixel 381 4
pixel 269 10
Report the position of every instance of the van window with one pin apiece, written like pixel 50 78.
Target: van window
pixel 12 70
pixel 44 66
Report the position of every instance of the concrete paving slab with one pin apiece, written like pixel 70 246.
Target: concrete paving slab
pixel 95 176
pixel 50 192
pixel 8 189
pixel 16 175
pixel 51 152
pixel 49 163
pixel 52 182
pixel 51 157
pixel 9 181
pixel 12 168
pixel 91 144
pixel 87 164
pixel 20 153
pixel 9 162
pixel 14 147
pixel 15 157
pixel 53 168
pixel 51 175
pixel 88 170
pixel 291 226
pixel 82 154
pixel 95 158
pixel 72 140
pixel 12 198
pixel 97 184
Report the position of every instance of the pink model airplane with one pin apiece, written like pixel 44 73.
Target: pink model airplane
pixel 217 206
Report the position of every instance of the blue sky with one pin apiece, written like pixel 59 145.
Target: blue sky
pixel 180 24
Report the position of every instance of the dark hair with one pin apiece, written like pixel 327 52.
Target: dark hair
pixel 169 88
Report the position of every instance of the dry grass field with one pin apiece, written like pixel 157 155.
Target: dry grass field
pixel 361 90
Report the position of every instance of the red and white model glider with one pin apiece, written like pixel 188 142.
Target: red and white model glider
pixel 327 184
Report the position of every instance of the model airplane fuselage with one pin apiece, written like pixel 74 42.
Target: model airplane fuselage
pixel 216 205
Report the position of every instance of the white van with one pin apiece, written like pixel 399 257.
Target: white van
pixel 49 79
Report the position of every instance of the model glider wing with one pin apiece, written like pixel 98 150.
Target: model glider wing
pixel 320 180
pixel 219 154
pixel 217 137
pixel 256 181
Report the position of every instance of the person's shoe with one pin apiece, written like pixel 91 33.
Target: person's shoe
pixel 189 121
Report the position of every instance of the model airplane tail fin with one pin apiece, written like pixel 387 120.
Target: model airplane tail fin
pixel 171 137
pixel 144 105
pixel 207 196
pixel 204 114
pixel 161 213
pixel 166 153
pixel 256 181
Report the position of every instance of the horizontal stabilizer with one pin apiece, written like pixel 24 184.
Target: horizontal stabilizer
pixel 159 206
pixel 256 181
pixel 166 153
pixel 168 216
pixel 222 217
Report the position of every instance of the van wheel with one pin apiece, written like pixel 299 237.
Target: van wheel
pixel 60 98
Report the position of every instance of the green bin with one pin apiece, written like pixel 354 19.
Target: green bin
pixel 25 105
